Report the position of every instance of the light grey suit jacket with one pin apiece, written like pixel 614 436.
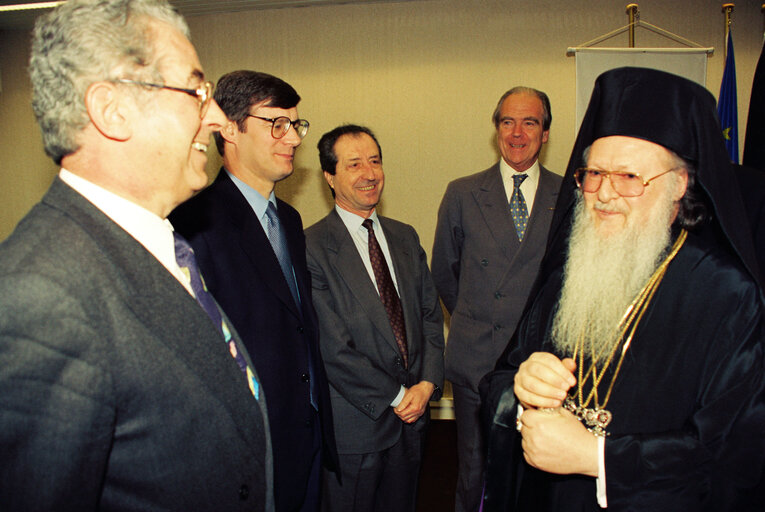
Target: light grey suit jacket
pixel 117 392
pixel 482 272
pixel 360 354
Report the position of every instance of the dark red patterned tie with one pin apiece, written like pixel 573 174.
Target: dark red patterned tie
pixel 387 290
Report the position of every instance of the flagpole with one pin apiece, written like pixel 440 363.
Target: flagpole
pixel 727 9
pixel 632 12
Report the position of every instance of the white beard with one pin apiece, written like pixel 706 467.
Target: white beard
pixel 604 274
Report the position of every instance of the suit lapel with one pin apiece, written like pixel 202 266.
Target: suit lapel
pixel 492 202
pixel 253 241
pixel 544 200
pixel 348 264
pixel 164 307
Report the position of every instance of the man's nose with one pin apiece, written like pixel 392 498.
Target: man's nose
pixel 291 137
pixel 606 192
pixel 214 117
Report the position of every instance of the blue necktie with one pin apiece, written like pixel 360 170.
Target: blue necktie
pixel 279 243
pixel 518 206
pixel 184 256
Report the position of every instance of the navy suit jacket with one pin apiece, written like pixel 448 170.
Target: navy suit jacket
pixel 117 392
pixel 242 272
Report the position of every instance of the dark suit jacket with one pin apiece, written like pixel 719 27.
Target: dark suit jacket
pixel 482 272
pixel 360 353
pixel 117 392
pixel 243 274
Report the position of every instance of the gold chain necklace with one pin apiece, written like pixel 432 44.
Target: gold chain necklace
pixel 597 418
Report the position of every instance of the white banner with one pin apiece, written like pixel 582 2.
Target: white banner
pixel 690 63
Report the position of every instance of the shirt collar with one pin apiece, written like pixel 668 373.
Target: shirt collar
pixel 352 221
pixel 257 202
pixel 508 172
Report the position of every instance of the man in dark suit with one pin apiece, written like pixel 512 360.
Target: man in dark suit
pixel 381 331
pixel 117 391
pixel 490 238
pixel 251 249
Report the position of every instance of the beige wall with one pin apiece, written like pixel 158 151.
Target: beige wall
pixel 424 75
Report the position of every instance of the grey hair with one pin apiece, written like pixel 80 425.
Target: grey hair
pixel 84 41
pixel 530 91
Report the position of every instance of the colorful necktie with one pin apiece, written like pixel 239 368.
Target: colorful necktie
pixel 387 291
pixel 518 206
pixel 279 243
pixel 184 256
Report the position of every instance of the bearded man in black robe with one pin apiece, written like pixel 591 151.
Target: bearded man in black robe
pixel 635 379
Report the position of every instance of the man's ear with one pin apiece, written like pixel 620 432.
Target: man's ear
pixel 105 106
pixel 330 179
pixel 681 185
pixel 230 132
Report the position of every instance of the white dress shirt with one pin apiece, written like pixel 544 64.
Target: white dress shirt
pixel 360 236
pixel 151 231
pixel 529 185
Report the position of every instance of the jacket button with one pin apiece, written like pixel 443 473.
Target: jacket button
pixel 244 492
pixel 304 377
pixel 497 327
pixel 484 262
pixel 300 329
pixel 498 295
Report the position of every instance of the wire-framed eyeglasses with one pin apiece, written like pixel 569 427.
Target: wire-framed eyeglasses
pixel 626 184
pixel 281 125
pixel 203 94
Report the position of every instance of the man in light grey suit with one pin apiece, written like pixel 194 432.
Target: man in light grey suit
pixel 490 238
pixel 381 331
pixel 118 391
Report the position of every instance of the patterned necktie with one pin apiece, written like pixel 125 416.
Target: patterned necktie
pixel 184 256
pixel 279 243
pixel 518 206
pixel 387 289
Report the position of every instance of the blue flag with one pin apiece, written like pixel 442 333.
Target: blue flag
pixel 727 104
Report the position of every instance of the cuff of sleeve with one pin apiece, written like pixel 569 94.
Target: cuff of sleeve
pixel 399 397
pixel 600 482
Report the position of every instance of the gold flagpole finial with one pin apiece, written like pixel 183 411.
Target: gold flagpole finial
pixel 633 15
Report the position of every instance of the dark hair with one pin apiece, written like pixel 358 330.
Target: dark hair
pixel 327 156
pixel 546 112
pixel 695 208
pixel 238 91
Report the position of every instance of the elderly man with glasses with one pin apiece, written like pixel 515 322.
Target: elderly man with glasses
pixel 118 388
pixel 251 249
pixel 635 380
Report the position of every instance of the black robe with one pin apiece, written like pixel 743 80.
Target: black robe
pixel 688 428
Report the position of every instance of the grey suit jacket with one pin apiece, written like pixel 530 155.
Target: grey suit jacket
pixel 360 354
pixel 117 392
pixel 482 272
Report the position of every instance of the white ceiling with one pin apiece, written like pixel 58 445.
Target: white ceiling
pixel 25 19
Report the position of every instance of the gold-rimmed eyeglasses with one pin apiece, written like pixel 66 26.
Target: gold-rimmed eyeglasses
pixel 626 184
pixel 203 94
pixel 281 125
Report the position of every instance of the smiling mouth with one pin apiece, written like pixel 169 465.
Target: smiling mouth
pixel 517 146
pixel 202 148
pixel 367 188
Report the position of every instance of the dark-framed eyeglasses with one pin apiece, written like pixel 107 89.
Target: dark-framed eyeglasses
pixel 626 184
pixel 281 125
pixel 203 94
